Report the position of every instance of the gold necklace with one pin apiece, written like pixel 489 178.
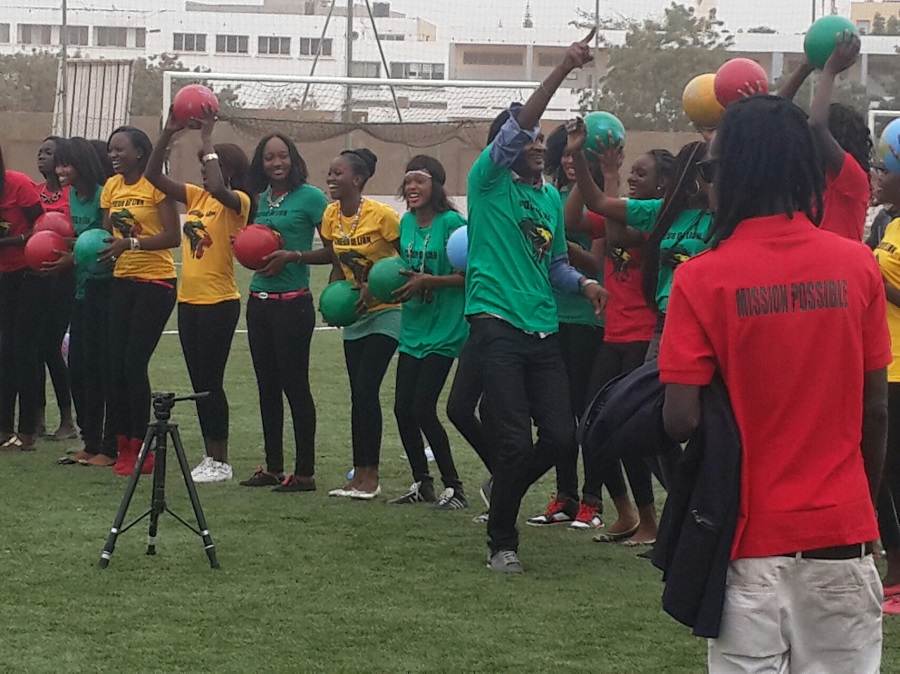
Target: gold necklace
pixel 277 202
pixel 344 239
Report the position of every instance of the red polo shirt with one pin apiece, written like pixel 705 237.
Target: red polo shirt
pixel 846 200
pixel 628 317
pixel 791 317
pixel 19 192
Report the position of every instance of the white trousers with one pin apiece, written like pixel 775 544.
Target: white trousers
pixel 803 616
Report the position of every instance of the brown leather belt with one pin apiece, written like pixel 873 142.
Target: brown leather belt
pixel 836 552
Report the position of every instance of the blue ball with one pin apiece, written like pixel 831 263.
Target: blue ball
pixel 458 248
pixel 889 146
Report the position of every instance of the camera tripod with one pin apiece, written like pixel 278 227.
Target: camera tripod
pixel 157 434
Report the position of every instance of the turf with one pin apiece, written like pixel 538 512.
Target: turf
pixel 309 583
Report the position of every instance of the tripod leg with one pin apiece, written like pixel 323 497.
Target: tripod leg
pixel 158 502
pixel 195 499
pixel 123 507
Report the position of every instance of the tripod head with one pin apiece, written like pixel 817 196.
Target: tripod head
pixel 164 402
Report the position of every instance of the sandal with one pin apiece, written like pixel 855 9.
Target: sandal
pixel 638 544
pixel 66 461
pixel 611 537
pixel 15 444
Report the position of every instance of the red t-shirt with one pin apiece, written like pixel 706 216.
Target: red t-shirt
pixel 57 202
pixel 628 317
pixel 846 200
pixel 19 193
pixel 791 317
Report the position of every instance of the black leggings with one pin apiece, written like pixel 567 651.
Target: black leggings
pixel 419 385
pixel 367 361
pixel 889 493
pixel 579 345
pixel 89 367
pixel 465 394
pixel 280 334
pixel 138 311
pixel 22 296
pixel 617 359
pixel 206 332
pixel 57 317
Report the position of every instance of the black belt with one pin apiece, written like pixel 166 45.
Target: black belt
pixel 857 550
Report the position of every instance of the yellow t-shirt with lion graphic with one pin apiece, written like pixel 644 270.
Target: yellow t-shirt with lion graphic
pixel 133 212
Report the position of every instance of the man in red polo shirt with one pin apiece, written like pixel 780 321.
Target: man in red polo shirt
pixel 793 320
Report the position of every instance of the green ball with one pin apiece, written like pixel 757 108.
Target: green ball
pixel 598 126
pixel 385 278
pixel 87 246
pixel 821 38
pixel 338 303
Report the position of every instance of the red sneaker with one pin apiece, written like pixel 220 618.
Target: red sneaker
pixel 151 458
pixel 891 606
pixel 125 462
pixel 589 517
pixel 558 512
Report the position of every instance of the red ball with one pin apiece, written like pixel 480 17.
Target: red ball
pixel 55 221
pixel 42 247
pixel 187 107
pixel 734 76
pixel 255 242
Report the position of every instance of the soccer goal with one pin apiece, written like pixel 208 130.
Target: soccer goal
pixel 878 119
pixel 418 113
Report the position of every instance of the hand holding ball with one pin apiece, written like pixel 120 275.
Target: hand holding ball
pixel 740 78
pixel 385 277
pixel 42 247
pixel 253 243
pixel 604 130
pixel 700 103
pixel 188 105
pixel 338 303
pixel 822 37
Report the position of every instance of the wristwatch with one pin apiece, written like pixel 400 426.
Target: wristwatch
pixel 585 282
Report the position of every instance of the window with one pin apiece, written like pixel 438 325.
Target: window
pixel 109 36
pixel 493 58
pixel 392 37
pixel 546 60
pixel 365 69
pixel 140 37
pixel 232 44
pixel 863 26
pixel 309 46
pixel 189 42
pixel 77 35
pixel 4 32
pixel 274 45
pixel 417 71
pixel 34 33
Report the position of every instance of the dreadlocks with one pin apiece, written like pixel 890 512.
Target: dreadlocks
pixel 851 132
pixel 768 163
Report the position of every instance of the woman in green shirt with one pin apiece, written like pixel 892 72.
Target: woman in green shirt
pixel 280 313
pixel 432 330
pixel 84 172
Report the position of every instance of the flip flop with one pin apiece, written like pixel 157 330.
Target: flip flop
pixel 66 461
pixel 613 537
pixel 637 544
pixel 15 444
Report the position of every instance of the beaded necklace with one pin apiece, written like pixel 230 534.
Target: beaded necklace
pixel 344 239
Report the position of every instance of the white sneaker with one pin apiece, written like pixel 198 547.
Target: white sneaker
pixel 202 467
pixel 214 472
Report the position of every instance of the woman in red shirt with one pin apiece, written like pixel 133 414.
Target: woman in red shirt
pixel 57 314
pixel 21 290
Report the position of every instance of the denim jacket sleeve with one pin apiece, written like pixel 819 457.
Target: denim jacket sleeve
pixel 512 139
pixel 563 276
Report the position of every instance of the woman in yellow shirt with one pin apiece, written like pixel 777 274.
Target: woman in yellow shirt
pixel 362 232
pixel 144 226
pixel 208 299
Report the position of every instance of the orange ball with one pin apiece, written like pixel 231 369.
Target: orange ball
pixel 700 102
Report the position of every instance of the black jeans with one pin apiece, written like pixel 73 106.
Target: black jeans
pixel 889 493
pixel 465 393
pixel 419 385
pixel 525 380
pixel 580 345
pixel 138 311
pixel 57 316
pixel 23 294
pixel 206 332
pixel 280 333
pixel 616 359
pixel 89 367
pixel 367 362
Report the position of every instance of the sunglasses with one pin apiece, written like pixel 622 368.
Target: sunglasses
pixel 708 169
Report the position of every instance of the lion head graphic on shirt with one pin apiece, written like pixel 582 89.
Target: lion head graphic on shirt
pixel 125 223
pixel 197 235
pixel 357 263
pixel 540 237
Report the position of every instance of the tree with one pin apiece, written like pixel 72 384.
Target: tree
pixel 28 81
pixel 893 25
pixel 878 26
pixel 646 77
pixel 762 29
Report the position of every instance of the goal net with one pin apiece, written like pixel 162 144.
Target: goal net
pixel 418 114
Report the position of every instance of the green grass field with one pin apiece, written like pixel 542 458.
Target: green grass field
pixel 308 583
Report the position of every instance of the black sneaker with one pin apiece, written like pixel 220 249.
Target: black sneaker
pixel 505 561
pixel 262 478
pixel 419 492
pixel 296 483
pixel 451 499
pixel 482 518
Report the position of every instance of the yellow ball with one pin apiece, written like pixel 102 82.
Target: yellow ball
pixel 699 101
